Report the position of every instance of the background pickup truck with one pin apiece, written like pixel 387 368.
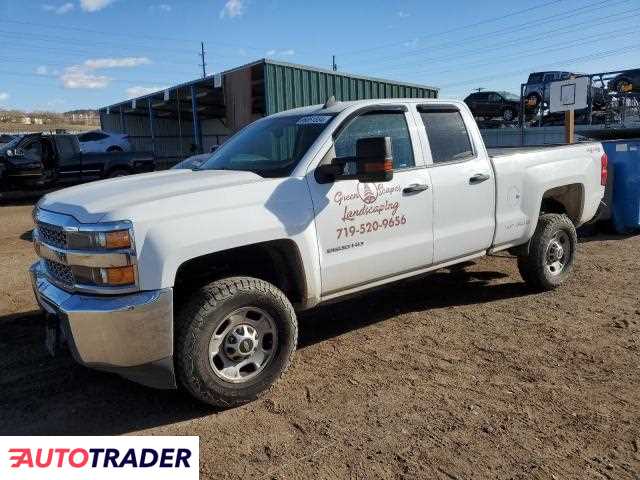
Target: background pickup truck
pixel 194 277
pixel 44 161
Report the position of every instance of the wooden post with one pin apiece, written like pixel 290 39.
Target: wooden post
pixel 569 126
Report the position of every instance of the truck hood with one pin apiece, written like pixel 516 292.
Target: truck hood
pixel 157 193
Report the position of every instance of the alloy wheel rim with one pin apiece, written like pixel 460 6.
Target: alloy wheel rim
pixel 558 253
pixel 243 344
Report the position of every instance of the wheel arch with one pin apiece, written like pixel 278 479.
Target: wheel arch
pixel 278 262
pixel 566 199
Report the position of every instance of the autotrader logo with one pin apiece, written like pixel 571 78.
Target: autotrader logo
pixel 124 457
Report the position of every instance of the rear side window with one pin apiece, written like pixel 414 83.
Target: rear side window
pixel 448 136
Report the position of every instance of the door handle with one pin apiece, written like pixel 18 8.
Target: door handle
pixel 415 187
pixel 479 178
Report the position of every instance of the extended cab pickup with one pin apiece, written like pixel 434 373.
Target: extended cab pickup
pixel 194 277
pixel 44 161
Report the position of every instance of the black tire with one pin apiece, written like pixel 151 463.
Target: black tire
pixel 114 149
pixel 508 114
pixel 205 313
pixel 118 172
pixel 535 268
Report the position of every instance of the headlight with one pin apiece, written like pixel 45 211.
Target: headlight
pixel 117 239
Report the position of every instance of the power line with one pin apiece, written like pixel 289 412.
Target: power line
pixel 130 81
pixel 131 35
pixel 456 29
pixel 544 50
pixel 593 56
pixel 519 41
pixel 514 28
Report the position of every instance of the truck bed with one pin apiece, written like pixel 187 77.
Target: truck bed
pixel 505 151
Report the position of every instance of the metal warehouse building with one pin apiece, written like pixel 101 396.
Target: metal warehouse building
pixel 193 117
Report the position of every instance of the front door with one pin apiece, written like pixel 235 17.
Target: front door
pixel 463 184
pixel 366 231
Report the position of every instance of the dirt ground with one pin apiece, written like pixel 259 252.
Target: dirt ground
pixel 458 375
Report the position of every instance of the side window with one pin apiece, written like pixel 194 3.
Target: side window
pixel 101 136
pixel 494 97
pixel 448 136
pixel 378 124
pixel 33 151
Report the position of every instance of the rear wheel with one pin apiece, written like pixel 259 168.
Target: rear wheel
pixel 235 338
pixel 551 253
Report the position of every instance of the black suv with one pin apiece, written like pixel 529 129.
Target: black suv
pixel 494 104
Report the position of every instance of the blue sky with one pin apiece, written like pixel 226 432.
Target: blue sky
pixel 66 54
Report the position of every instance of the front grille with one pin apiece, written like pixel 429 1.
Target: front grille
pixel 52 235
pixel 61 273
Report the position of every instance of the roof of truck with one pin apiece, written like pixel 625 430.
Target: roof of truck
pixel 338 106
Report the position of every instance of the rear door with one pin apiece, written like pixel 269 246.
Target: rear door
pixel 372 231
pixel 68 158
pixel 463 183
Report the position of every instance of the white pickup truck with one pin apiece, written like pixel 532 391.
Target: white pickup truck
pixel 193 278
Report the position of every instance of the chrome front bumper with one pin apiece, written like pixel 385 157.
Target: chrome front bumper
pixel 131 335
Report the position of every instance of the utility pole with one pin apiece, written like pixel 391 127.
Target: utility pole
pixel 334 67
pixel 204 63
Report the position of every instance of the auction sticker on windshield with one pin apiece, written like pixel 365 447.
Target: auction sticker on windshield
pixel 99 458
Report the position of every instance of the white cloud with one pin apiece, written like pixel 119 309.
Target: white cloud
pixel 4 96
pixel 85 76
pixel 411 44
pixel 78 76
pixel 42 70
pixel 123 62
pixel 402 14
pixel 233 8
pixel 138 91
pixel 280 53
pixel 59 9
pixel 94 5
pixel 161 7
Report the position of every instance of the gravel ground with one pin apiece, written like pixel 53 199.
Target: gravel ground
pixel 463 374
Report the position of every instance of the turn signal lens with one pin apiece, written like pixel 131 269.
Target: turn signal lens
pixel 119 275
pixel 118 239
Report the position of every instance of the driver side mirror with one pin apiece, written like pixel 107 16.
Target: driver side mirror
pixel 373 163
pixel 16 152
pixel 374 160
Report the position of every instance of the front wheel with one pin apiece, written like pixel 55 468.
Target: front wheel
pixel 508 114
pixel 552 253
pixel 235 338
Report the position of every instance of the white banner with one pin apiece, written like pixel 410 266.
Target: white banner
pixel 98 458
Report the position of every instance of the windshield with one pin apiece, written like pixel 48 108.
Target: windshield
pixel 536 77
pixel 510 96
pixel 11 144
pixel 271 147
